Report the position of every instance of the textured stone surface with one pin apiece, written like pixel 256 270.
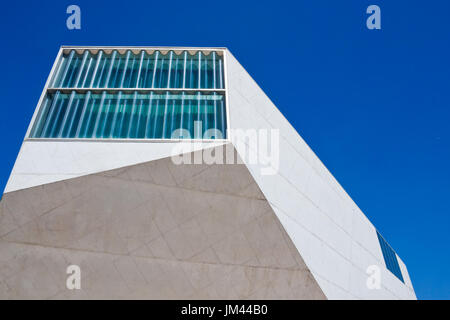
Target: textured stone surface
pixel 150 231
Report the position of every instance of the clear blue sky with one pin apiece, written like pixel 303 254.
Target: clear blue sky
pixel 373 105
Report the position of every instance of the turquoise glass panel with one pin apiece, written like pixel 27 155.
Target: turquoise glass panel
pixel 128 69
pixel 131 115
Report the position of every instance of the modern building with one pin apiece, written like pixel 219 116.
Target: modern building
pixel 115 176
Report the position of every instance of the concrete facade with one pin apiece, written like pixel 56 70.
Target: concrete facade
pixel 150 231
pixel 334 237
pixel 221 231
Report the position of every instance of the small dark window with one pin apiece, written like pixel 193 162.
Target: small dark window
pixel 390 258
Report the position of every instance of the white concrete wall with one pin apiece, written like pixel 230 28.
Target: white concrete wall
pixel 334 237
pixel 40 162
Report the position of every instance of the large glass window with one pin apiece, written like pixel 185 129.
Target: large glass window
pixel 390 258
pixel 134 94
pixel 140 69
pixel 124 115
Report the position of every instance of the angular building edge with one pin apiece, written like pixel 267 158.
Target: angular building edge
pixel 334 237
pixel 154 230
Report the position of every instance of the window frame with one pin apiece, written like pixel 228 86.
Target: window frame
pixel 80 50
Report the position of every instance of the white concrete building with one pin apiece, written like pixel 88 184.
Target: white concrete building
pixel 95 184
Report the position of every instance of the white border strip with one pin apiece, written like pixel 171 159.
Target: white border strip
pixel 57 60
pixel 225 85
pixel 44 91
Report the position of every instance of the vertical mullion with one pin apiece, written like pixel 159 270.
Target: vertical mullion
pixel 100 108
pixel 182 112
pixel 55 121
pixel 105 120
pixel 72 117
pixel 198 116
pixel 184 70
pixel 69 106
pixel 97 82
pixel 85 55
pixel 154 69
pixel 165 115
pixel 172 120
pixel 88 120
pixel 155 121
pixel 129 83
pixel 199 69
pixel 144 82
pixel 83 113
pixel 175 73
pixel 205 71
pixel 139 116
pixel 214 69
pixel 99 58
pixel 87 72
pixel 161 72
pixel 69 82
pixel 50 113
pixel 57 72
pixel 169 69
pixel 148 114
pixel 64 75
pixel 122 114
pixel 106 107
pixel 36 132
pixel 140 68
pixel 116 111
pixel 190 120
pixel 125 68
pixel 205 112
pixel 113 59
pixel 133 109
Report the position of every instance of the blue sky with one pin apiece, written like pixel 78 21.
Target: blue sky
pixel 373 104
